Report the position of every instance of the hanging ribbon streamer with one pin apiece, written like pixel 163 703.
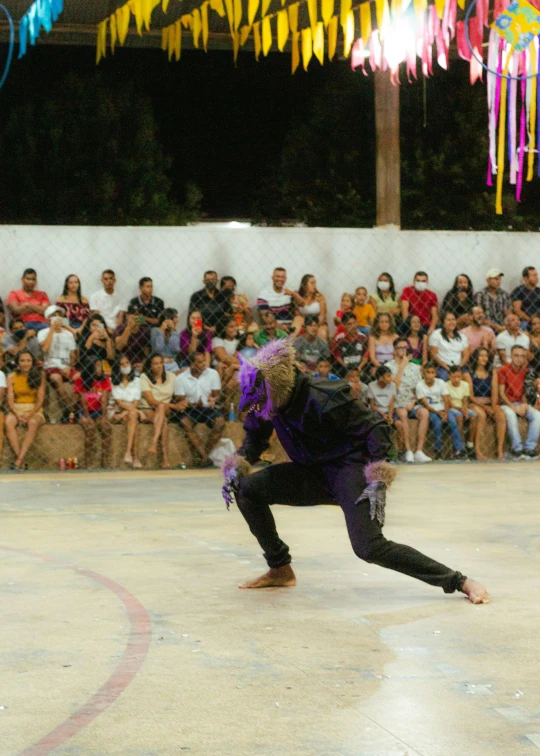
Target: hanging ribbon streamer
pixel 40 15
pixel 9 57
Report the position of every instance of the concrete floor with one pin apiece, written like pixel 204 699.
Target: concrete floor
pixel 123 632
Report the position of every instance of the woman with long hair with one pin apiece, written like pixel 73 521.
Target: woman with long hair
pixel 126 392
pixel 239 302
pixel 96 341
pixel 157 389
pixel 94 389
pixel 26 394
pixel 75 305
pixel 448 346
pixel 416 339
pixel 225 348
pixel 381 340
pixel 484 398
pixel 314 304
pixel 385 298
pixel 195 338
pixel 459 300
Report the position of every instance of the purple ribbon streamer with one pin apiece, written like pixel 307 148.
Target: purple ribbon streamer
pixel 519 183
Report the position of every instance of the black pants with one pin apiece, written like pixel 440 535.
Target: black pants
pixel 340 483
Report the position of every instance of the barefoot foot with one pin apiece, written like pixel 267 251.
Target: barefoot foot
pixel 128 459
pixel 152 449
pixel 279 577
pixel 137 464
pixel 480 457
pixel 475 592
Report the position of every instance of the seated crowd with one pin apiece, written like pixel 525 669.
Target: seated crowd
pixel 473 360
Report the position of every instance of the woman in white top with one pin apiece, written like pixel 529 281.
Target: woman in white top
pixel 225 349
pixel 126 394
pixel 448 346
pixel 157 389
pixel 314 304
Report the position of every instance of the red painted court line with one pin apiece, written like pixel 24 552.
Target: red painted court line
pixel 133 658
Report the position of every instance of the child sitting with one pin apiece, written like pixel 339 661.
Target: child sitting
pixel 459 392
pixel 432 393
pixel 359 390
pixel 382 393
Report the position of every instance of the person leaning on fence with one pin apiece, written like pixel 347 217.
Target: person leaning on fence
pixel 417 340
pixel 406 375
pixel 76 307
pixel 448 346
pixel 195 338
pixel 26 394
pixel 511 379
pixel 196 392
pixel 349 348
pixel 94 388
pixel 432 393
pixel 59 356
pixel 419 300
pixel 509 338
pixel 460 393
pixel 483 391
pixel 459 300
pixel 19 339
pixel 126 393
pixel 314 307
pixel 29 304
pixel 165 340
pixel 157 389
pixel 495 302
pixel 385 298
pixel 526 298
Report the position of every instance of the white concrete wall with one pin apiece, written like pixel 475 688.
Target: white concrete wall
pixel 177 257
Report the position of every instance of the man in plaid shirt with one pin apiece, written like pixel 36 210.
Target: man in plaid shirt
pixel 496 302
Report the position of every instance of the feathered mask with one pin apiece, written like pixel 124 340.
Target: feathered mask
pixel 267 379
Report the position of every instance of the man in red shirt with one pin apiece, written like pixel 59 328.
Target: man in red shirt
pixel 28 304
pixel 419 300
pixel 514 404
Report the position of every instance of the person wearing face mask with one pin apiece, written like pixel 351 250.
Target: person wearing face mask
pixel 19 339
pixel 126 392
pixel 419 300
pixel 59 356
pixel 478 334
pixel 214 305
pixel 385 299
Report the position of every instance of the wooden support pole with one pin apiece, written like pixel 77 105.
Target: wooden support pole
pixel 388 153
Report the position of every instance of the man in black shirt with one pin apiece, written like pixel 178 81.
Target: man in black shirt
pixel 146 305
pixel 338 450
pixel 215 306
pixel 526 298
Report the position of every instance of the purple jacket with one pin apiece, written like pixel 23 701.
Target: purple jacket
pixel 204 342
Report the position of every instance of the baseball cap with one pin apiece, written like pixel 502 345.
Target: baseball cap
pixel 494 273
pixel 51 309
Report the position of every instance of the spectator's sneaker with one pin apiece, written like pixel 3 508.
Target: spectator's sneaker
pixel 461 455
pixel 422 458
pixel 530 454
pixel 516 455
pixel 409 456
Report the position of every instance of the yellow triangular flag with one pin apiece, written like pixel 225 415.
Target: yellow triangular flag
pixel 123 15
pixel 237 14
pixel 257 39
pixel 165 37
pixel 217 6
pixel 346 6
pixel 236 45
pixel 266 35
pixel 307 46
pixel 204 22
pixel 293 17
pixel 421 5
pixel 439 5
pixel 332 37
pixel 101 50
pixel 318 43
pixel 327 11
pixel 197 26
pixel 253 7
pixel 282 29
pixel 164 5
pixel 313 15
pixel 146 7
pixel 295 51
pixel 532 114
pixel 383 16
pixel 265 6
pixel 112 21
pixel 177 40
pixel 187 21
pixel 230 14
pixel 348 34
pixel 365 22
pixel 136 10
pixel 244 35
pixel 170 43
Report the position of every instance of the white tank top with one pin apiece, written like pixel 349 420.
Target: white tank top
pixel 311 309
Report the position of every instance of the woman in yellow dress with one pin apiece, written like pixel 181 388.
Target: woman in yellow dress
pixel 26 394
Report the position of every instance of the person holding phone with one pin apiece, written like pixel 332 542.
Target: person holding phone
pixel 195 338
pixel 132 339
pixel 96 340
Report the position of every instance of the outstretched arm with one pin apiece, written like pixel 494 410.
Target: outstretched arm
pixel 238 465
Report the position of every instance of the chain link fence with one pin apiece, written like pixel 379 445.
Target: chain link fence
pixel 120 345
